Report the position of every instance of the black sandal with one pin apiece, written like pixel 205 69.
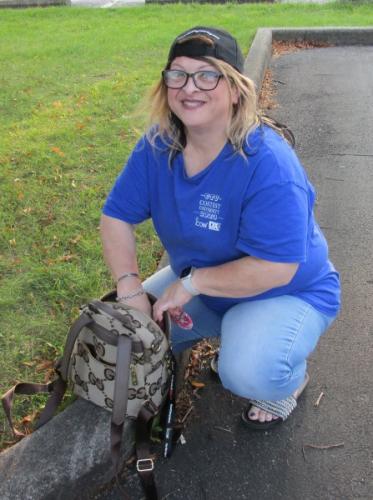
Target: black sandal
pixel 281 409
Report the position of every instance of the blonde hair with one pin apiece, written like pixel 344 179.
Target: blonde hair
pixel 244 116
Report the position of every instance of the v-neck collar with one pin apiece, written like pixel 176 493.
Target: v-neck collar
pixel 226 149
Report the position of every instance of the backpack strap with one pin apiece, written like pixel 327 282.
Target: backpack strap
pixel 142 423
pixel 21 388
pixel 145 462
pixel 120 397
pixel 56 388
pixel 106 308
pixel 62 368
pixel 63 365
pixel 111 297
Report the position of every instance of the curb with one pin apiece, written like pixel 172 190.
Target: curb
pixel 259 56
pixel 260 52
pixel 69 457
pixel 22 4
pixel 332 35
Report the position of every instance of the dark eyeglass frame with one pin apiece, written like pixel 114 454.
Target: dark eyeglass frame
pixel 191 75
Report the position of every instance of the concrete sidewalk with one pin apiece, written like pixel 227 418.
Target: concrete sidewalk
pixel 325 96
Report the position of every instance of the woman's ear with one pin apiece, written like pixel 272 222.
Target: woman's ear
pixel 235 94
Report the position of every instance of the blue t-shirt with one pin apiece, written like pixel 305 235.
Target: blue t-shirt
pixel 259 205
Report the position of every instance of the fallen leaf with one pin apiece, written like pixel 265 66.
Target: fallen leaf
pixel 66 258
pixel 30 364
pixel 27 419
pixel 57 151
pixel 195 383
pixel 46 364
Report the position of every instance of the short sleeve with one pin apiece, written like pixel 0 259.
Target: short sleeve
pixel 274 224
pixel 129 199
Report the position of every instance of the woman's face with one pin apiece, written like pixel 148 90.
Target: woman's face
pixel 200 109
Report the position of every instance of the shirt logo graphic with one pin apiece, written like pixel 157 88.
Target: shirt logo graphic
pixel 208 213
pixel 214 226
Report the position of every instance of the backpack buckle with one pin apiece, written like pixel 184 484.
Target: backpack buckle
pixel 145 465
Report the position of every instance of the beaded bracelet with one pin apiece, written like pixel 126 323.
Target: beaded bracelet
pixel 135 293
pixel 127 275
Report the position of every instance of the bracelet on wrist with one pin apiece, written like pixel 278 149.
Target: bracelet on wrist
pixel 127 275
pixel 135 293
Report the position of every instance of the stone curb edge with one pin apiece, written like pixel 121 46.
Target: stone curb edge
pixel 23 467
pixel 21 4
pixel 260 52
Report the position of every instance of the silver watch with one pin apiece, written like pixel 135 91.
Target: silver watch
pixel 186 276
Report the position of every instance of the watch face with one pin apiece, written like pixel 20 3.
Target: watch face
pixel 185 272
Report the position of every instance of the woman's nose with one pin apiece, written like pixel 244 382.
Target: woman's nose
pixel 190 86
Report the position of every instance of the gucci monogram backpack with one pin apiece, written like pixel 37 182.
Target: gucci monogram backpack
pixel 118 358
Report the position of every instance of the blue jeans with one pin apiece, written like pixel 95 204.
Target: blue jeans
pixel 264 344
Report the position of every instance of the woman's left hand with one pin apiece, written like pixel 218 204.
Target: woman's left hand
pixel 172 300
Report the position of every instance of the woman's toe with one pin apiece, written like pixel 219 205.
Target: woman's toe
pixel 253 413
pixel 262 416
pixel 269 417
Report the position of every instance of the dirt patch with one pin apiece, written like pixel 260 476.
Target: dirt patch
pixel 267 95
pixel 280 48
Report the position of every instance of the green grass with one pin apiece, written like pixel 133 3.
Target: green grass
pixel 69 80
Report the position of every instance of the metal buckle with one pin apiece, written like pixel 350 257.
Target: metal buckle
pixel 145 465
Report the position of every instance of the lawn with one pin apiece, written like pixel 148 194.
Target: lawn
pixel 70 80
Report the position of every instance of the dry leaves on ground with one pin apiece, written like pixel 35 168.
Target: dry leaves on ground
pixel 199 358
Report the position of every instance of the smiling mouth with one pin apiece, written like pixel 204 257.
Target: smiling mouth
pixel 192 103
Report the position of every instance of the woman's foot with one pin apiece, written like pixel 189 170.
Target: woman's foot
pixel 255 413
pixel 260 417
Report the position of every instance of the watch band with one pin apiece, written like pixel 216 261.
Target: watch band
pixel 187 281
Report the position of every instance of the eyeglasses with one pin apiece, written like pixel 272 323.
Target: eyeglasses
pixel 203 80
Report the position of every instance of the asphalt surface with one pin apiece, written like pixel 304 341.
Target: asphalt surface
pixel 326 97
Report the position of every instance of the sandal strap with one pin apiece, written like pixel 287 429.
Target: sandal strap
pixel 281 408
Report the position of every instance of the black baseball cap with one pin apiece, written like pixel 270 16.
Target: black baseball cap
pixel 223 46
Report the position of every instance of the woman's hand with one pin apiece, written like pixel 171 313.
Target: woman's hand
pixel 130 285
pixel 172 300
pixel 141 303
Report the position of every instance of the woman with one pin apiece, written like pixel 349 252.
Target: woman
pixel 234 209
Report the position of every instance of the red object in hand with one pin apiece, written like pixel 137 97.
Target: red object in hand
pixel 183 320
